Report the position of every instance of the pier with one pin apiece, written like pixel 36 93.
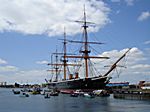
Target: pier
pixel 132 94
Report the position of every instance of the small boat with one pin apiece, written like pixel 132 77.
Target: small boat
pixel 24 95
pixel 45 91
pixel 79 92
pixel 54 94
pixel 42 92
pixel 47 96
pixel 101 93
pixel 35 92
pixel 89 95
pixel 27 95
pixel 26 90
pixel 16 91
pixel 66 91
pixel 74 95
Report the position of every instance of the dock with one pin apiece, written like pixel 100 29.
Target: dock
pixel 138 94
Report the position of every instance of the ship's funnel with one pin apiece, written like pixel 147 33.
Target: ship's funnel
pixel 76 75
pixel 70 76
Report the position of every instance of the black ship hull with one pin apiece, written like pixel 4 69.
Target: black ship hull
pixel 90 83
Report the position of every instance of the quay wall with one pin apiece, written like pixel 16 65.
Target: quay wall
pixel 132 96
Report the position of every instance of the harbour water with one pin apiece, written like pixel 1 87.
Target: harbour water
pixel 64 103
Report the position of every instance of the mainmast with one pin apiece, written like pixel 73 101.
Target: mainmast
pixel 85 51
pixel 86 43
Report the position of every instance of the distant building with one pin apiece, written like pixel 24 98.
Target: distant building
pixel 3 83
pixel 144 85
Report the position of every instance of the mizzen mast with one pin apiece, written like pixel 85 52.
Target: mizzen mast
pixel 54 66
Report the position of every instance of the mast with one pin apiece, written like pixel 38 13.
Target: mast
pixel 86 52
pixel 64 60
pixel 65 49
pixel 85 43
pixel 56 66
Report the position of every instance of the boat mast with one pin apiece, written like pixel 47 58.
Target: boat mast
pixel 85 43
pixel 56 66
pixel 86 52
pixel 65 60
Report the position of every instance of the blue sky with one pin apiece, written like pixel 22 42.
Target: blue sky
pixel 29 33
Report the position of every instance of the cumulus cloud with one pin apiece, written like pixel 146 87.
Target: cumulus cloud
pixel 133 68
pixel 50 16
pixel 8 68
pixel 144 15
pixel 3 61
pixel 42 62
pixel 28 76
pixel 31 76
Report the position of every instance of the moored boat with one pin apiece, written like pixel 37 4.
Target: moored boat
pixel 16 91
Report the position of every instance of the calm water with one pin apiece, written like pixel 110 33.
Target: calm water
pixel 64 103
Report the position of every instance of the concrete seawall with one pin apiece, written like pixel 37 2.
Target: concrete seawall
pixel 132 96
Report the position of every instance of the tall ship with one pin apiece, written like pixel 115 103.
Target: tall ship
pixel 74 80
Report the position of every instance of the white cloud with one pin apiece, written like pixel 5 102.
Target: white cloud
pixel 42 62
pixel 147 42
pixel 134 56
pixel 144 15
pixel 28 76
pixel 8 68
pixel 136 63
pixel 50 16
pixel 129 2
pixel 3 61
pixel 141 66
